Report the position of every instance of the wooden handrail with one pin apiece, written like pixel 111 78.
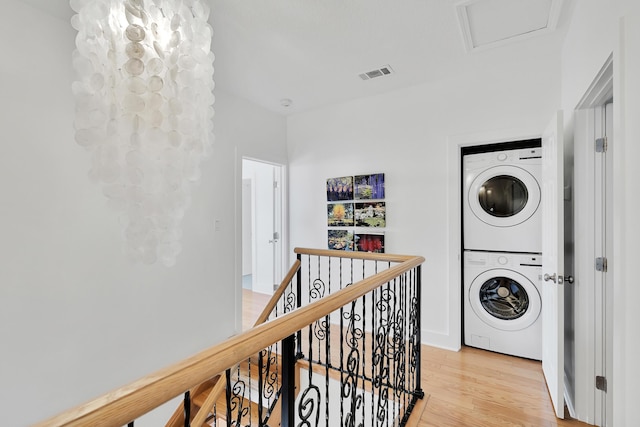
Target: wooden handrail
pixel 354 255
pixel 122 405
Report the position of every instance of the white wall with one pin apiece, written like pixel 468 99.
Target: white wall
pixel 254 133
pixel 596 31
pixel 257 134
pixel 405 135
pixel 76 318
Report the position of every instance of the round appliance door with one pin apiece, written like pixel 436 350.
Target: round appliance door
pixel 505 299
pixel 504 196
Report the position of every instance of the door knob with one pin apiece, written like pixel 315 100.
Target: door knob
pixel 546 277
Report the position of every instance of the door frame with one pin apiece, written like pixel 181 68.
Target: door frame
pixel 591 321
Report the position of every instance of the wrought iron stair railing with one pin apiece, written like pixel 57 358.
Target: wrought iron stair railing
pixel 340 345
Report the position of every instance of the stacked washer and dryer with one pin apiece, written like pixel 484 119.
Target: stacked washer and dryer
pixel 502 249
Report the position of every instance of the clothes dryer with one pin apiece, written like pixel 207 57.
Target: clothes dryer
pixel 501 206
pixel 502 303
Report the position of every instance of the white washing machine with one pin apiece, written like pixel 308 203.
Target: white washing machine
pixel 502 303
pixel 501 206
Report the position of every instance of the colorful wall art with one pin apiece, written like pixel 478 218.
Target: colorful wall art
pixel 340 188
pixel 369 242
pixel 370 214
pixel 339 214
pixel 341 240
pixel 369 186
pixel 346 210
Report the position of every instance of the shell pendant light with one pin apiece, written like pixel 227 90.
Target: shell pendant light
pixel 144 109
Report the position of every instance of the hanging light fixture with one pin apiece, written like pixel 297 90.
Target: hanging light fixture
pixel 144 109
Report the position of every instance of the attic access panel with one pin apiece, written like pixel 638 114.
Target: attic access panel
pixel 490 23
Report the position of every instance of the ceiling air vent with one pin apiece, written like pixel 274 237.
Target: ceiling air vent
pixel 379 72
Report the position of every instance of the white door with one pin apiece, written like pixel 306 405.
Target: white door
pixel 267 199
pixel 553 262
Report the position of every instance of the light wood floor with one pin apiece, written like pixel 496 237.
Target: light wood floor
pixel 472 387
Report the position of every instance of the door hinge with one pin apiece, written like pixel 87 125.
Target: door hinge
pixel 601 383
pixel 601 264
pixel 602 144
pixel 275 184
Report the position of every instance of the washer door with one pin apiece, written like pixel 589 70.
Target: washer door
pixel 505 299
pixel 504 196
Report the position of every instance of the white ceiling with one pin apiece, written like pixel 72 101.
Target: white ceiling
pixel 312 51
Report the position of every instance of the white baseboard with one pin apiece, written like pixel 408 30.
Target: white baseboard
pixel 440 340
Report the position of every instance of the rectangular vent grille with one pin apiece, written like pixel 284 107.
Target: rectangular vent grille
pixel 379 72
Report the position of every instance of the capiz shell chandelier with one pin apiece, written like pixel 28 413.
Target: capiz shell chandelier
pixel 144 109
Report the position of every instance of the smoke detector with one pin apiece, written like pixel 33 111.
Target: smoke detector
pixel 378 72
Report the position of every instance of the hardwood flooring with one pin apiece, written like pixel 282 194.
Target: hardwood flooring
pixel 480 388
pixel 469 388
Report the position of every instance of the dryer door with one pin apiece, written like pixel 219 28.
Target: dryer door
pixel 504 196
pixel 505 299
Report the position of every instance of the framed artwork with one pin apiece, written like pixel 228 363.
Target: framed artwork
pixel 339 214
pixel 369 242
pixel 341 240
pixel 370 214
pixel 369 186
pixel 340 188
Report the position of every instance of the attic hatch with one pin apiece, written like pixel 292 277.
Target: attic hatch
pixel 491 23
pixel 378 72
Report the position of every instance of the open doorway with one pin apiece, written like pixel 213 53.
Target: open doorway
pixel 262 225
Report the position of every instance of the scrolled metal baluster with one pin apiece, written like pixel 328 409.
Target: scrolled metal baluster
pixel 316 289
pixel 380 379
pixel 289 302
pixel 239 389
pixel 235 400
pixel 350 386
pixel 393 344
pixel 400 348
pixel 270 374
pixel 309 405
